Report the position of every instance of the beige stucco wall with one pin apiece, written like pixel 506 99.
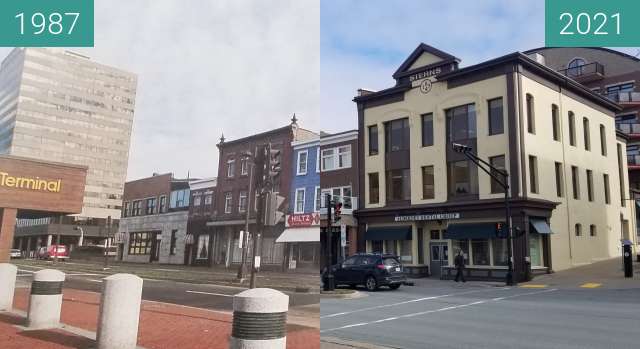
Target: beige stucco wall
pixel 425 59
pixel 567 249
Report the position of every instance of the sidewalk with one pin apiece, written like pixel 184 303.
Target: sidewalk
pixel 162 326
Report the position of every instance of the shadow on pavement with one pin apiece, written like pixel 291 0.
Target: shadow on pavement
pixel 60 338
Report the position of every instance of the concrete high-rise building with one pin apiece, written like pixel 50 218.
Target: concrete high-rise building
pixel 61 106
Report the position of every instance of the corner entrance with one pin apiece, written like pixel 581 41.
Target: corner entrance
pixel 439 257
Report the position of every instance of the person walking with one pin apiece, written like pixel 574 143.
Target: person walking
pixel 459 264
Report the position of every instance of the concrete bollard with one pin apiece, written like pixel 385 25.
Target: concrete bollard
pixel 8 273
pixel 45 302
pixel 259 319
pixel 119 312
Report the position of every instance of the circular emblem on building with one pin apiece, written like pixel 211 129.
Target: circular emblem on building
pixel 425 86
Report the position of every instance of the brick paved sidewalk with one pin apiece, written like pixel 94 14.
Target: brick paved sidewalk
pixel 162 326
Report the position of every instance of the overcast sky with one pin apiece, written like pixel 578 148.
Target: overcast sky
pixel 207 67
pixel 364 42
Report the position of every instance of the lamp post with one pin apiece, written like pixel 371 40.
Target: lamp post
pixel 503 181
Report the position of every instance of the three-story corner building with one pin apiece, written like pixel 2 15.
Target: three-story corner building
pixel 339 160
pixel 232 198
pixel 301 235
pixel 202 209
pixel 153 227
pixel 557 139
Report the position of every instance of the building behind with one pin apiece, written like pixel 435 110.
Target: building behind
pixel 57 105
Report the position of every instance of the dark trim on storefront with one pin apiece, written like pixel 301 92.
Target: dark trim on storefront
pixel 512 124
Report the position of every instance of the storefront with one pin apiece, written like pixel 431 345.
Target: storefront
pixel 426 239
pixel 301 238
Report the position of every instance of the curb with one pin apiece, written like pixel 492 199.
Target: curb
pixel 331 342
pixel 350 295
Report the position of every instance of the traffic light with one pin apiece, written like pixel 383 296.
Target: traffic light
pixel 274 212
pixel 259 167
pixel 499 228
pixel 274 161
pixel 337 210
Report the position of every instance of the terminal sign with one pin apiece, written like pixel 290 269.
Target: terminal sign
pixel 30 183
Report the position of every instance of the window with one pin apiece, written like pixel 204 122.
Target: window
pixel 231 168
pixel 180 198
pixel 396 135
pixel 461 245
pixel 244 167
pixel 621 175
pixel 373 140
pixel 587 136
pixel 603 141
pixel 497 162
pixel 593 230
pixel 500 257
pixel 533 173
pixel 228 197
pixel 302 163
pixel 336 158
pixel 462 177
pixel 575 67
pixel 299 200
pixel 590 185
pixel 614 91
pixel 398 185
pixel 203 247
pixel 496 123
pixel 575 181
pixel 242 201
pixel 163 204
pixel 318 200
pixel 428 183
pixel 137 208
pixel 208 199
pixel 559 180
pixel 531 122
pixel 435 234
pixel 578 229
pixel 461 123
pixel 555 120
pixel 197 199
pixel 174 239
pixel 140 243
pixel 151 206
pixel 374 188
pixel 572 129
pixel 427 130
pixel 607 195
pixel 318 160
pixel 127 209
pixel 480 252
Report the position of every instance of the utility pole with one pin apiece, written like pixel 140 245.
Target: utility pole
pixel 55 256
pixel 106 244
pixel 245 239
pixel 329 282
pixel 503 181
pixel 256 239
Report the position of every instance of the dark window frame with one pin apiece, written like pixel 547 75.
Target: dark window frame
pixel 404 135
pixel 425 193
pixel 173 242
pixel 405 189
pixel 590 185
pixel 374 148
pixel 531 114
pixel 607 189
pixel 572 129
pixel 375 189
pixel 559 169
pixel 140 243
pixel 495 127
pixel 496 188
pixel 471 123
pixel 427 132
pixel 575 182
pixel 555 123
pixel 586 132
pixel 603 140
pixel 534 186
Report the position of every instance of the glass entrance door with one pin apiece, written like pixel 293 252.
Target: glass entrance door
pixel 439 257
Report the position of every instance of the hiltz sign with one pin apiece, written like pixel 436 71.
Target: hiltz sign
pixel 428 217
pixel 303 219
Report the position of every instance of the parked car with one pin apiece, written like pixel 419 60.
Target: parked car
pixel 371 270
pixel 51 251
pixel 15 253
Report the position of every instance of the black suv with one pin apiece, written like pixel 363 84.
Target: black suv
pixel 371 270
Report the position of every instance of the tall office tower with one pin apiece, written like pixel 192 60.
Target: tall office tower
pixel 60 106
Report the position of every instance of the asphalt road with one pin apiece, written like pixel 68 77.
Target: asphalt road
pixel 208 296
pixel 442 314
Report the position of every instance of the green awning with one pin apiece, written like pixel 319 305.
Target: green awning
pixel 389 233
pixel 457 231
pixel 540 226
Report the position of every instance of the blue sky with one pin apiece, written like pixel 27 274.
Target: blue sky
pixel 363 42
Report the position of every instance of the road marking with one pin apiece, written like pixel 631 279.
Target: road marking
pixel 591 285
pixel 533 286
pixel 23 275
pixel 83 274
pixel 94 280
pixel 213 294
pixel 407 302
pixel 436 310
pixel 26 271
pixel 174 270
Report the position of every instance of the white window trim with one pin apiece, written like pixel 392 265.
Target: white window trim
pixel 244 171
pixel 304 194
pixel 306 165
pixel 318 160
pixel 336 157
pixel 230 173
pixel 227 207
pixel 246 197
pixel 315 199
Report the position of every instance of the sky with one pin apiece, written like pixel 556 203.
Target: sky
pixel 363 42
pixel 207 67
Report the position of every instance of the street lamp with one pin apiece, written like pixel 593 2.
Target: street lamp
pixel 502 178
pixel 81 240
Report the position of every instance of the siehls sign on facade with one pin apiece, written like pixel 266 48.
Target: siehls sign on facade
pixel 41 186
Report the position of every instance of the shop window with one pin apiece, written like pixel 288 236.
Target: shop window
pixel 497 162
pixel 390 247
pixel 535 251
pixel 500 257
pixel 406 254
pixel 427 130
pixel 373 140
pixel 461 245
pixel 587 134
pixel 203 247
pixel 572 129
pixel 376 246
pixel 140 243
pixel 428 183
pixel 496 123
pixel 531 122
pixel 555 122
pixel 480 252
